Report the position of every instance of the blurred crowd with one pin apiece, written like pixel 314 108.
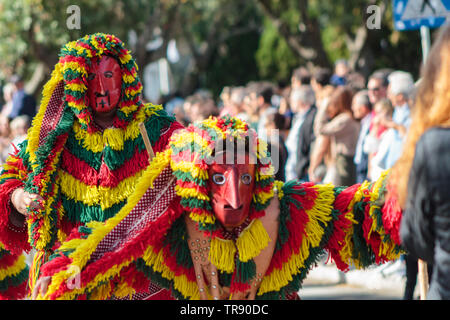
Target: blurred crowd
pixel 324 126
pixel 17 110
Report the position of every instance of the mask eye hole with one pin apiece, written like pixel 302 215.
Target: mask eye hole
pixel 91 76
pixel 108 74
pixel 246 178
pixel 218 178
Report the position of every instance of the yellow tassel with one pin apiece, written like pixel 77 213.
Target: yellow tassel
pixel 252 240
pixel 222 254
pixel 91 195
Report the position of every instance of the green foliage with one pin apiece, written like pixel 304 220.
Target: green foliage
pixel 274 58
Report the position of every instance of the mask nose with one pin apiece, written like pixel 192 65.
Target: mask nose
pixel 101 86
pixel 232 189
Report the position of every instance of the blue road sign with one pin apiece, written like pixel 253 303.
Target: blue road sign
pixel 413 14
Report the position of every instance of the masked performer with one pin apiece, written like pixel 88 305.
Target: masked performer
pixel 225 229
pixel 82 158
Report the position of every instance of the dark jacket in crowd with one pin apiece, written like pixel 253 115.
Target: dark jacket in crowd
pixel 425 227
pixel 23 104
pixel 279 154
pixel 306 138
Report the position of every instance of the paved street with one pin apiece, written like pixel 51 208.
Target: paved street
pixel 327 291
pixel 325 282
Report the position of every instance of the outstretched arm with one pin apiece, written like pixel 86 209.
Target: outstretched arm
pixel 13 231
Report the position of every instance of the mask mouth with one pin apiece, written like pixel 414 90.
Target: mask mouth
pixel 99 95
pixel 230 208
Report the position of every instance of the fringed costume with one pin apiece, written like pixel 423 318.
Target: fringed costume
pixel 84 174
pixel 175 232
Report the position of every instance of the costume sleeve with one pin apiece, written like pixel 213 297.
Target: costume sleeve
pixel 13 229
pixel 13 232
pixel 365 226
pixel 352 224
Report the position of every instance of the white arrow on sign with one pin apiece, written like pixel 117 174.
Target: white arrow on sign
pixel 418 9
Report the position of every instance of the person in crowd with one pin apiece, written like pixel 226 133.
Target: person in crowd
pixel 286 111
pixel 343 131
pixel 320 82
pixel 377 86
pixel 301 133
pixel 420 178
pixel 18 128
pixel 22 102
pixel 237 103
pixel 202 108
pixel 300 77
pixel 5 137
pixel 250 109
pixel 401 85
pixel 224 97
pixel 261 98
pixel 362 111
pixel 8 92
pixel 341 70
pixel 383 109
pixel 276 145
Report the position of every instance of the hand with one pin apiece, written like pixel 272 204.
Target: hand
pixel 21 200
pixel 41 287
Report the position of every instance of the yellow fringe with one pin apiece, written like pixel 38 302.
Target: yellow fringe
pixel 106 197
pixel 221 254
pixel 115 138
pixel 252 240
pixel 208 219
pixel 156 261
pixel 195 171
pixel 102 292
pixel 190 193
pixel 278 186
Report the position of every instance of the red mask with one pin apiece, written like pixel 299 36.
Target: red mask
pixel 232 187
pixel 104 84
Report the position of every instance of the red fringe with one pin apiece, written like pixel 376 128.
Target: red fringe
pixel 83 172
pixel 295 225
pixel 15 293
pixel 392 215
pixel 15 242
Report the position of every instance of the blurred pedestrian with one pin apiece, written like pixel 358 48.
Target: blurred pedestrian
pixel 343 131
pixel 276 145
pixel 341 70
pixel 8 92
pixel 401 85
pixel 383 109
pixel 362 111
pixel 377 86
pixel 22 103
pixel 420 179
pixel 301 134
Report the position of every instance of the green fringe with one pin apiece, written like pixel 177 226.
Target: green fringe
pixel 76 211
pixel 15 280
pixel 176 239
pixel 245 271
